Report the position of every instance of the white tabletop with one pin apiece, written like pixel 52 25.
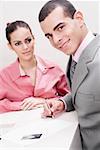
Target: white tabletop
pixel 59 133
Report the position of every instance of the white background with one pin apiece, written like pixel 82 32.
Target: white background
pixel 28 11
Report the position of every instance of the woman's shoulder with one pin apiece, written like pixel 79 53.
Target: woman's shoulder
pixel 8 68
pixel 46 62
pixel 49 65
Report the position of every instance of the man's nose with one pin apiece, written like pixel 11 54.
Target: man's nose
pixel 56 39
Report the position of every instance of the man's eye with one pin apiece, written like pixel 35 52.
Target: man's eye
pixel 48 37
pixel 60 28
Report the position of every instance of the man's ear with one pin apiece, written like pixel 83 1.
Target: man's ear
pixel 79 17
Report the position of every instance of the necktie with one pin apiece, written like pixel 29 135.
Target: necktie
pixel 72 69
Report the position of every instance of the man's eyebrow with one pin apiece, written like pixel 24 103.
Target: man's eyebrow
pixel 48 34
pixel 57 26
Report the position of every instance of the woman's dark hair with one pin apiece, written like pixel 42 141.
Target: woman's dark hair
pixel 11 27
pixel 68 8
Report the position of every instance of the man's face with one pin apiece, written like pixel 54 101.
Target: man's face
pixel 63 32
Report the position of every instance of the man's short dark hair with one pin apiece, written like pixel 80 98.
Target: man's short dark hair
pixel 68 8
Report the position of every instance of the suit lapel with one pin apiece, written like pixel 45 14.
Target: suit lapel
pixel 81 70
pixel 80 73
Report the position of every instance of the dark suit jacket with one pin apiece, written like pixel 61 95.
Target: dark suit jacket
pixel 85 97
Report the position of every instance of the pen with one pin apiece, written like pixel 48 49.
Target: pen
pixel 48 107
pixel 32 136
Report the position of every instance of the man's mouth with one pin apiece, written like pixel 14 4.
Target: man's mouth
pixel 65 44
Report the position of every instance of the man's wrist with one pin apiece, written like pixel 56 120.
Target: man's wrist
pixel 64 103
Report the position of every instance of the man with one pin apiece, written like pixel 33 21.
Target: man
pixel 66 30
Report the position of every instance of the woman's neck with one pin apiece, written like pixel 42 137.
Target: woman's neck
pixel 29 64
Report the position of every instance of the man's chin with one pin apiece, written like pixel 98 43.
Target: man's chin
pixel 64 51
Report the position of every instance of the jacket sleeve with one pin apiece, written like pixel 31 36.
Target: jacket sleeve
pixel 67 99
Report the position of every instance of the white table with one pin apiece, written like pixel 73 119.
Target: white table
pixel 62 131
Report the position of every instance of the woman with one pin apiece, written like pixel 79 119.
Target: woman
pixel 30 80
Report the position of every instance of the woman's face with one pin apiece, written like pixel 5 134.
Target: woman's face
pixel 22 42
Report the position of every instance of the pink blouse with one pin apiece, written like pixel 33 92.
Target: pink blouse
pixel 50 83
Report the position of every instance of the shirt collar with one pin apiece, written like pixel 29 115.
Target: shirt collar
pixel 22 72
pixel 44 66
pixel 89 37
pixel 16 71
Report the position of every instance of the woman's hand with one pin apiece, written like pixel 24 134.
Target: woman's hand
pixel 31 103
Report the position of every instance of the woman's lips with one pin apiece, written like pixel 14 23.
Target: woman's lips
pixel 27 52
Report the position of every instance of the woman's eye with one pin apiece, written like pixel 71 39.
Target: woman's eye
pixel 17 44
pixel 28 40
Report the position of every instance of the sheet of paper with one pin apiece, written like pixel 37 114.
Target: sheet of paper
pixel 46 127
pixel 18 118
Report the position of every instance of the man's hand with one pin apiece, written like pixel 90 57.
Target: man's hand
pixel 53 107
